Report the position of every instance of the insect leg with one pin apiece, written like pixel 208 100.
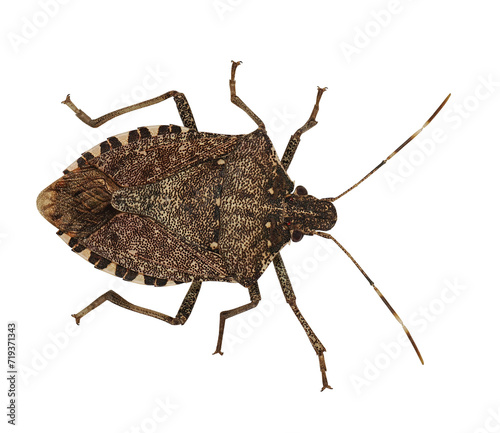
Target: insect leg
pixel 188 302
pixel 181 317
pixel 293 143
pixel 237 101
pixel 254 298
pixel 286 286
pixel 179 98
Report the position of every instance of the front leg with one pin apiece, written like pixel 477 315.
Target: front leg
pixel 295 138
pixel 286 286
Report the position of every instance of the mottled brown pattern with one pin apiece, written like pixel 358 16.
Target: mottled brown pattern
pixel 152 159
pixel 79 202
pixel 253 192
pixel 185 111
pixel 186 203
pixel 231 204
pixel 142 245
pixel 306 212
pixel 187 305
pixel 283 278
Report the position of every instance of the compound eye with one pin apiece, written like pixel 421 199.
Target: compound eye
pixel 297 236
pixel 301 190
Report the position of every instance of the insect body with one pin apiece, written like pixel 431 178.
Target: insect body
pixel 167 205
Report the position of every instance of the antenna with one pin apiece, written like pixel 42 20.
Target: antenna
pixel 327 236
pixel 393 153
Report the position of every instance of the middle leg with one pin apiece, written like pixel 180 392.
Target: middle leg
pixel 254 300
pixel 235 99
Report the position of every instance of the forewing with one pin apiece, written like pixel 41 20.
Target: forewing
pixel 140 244
pixel 150 154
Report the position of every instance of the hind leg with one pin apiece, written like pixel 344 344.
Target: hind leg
pixel 179 98
pixel 181 317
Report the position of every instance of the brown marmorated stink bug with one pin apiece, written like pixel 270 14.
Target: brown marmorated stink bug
pixel 165 205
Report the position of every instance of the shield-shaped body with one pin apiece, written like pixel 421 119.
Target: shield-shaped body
pixel 166 204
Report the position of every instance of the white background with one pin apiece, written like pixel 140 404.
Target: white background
pixel 425 227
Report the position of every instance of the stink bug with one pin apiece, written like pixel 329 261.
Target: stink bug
pixel 164 205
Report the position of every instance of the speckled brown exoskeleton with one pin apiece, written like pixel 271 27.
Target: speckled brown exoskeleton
pixel 164 205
